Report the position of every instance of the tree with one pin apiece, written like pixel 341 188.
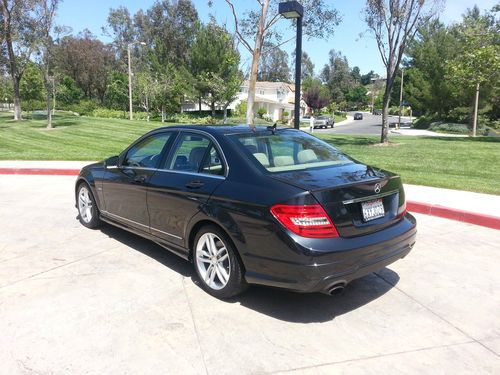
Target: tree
pixel 393 23
pixel 479 60
pixel 273 65
pixel 19 35
pixel 214 64
pixel 116 96
pixel 337 76
pixel 48 8
pixel 356 75
pixel 67 92
pixel 316 95
pixel 366 79
pixel 121 28
pixel 259 25
pixel 428 56
pixel 87 61
pixel 31 86
pixel 307 68
pixel 357 97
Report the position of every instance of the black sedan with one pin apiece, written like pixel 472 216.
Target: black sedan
pixel 245 205
pixel 358 116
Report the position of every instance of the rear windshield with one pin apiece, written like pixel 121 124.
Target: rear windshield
pixel 289 150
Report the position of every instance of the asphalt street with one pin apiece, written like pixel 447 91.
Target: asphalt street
pixel 369 125
pixel 75 300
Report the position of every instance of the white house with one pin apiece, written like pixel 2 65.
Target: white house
pixel 276 97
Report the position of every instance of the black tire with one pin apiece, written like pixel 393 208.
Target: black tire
pixel 88 213
pixel 236 283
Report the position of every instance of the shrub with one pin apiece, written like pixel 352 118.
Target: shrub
pixel 85 107
pixel 447 127
pixel 261 112
pixel 241 109
pixel 109 113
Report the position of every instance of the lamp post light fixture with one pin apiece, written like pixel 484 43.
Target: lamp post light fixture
pixel 131 115
pixel 294 9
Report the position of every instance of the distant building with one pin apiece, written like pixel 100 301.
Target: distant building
pixel 277 98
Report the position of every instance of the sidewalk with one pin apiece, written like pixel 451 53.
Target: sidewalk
pixel 475 208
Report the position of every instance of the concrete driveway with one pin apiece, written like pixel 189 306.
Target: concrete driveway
pixel 80 301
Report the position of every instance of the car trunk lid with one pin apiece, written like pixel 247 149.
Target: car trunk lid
pixel 346 191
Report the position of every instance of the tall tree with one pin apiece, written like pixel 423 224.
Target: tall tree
pixel 20 37
pixel 46 23
pixel 315 94
pixel 273 65
pixel 87 61
pixel 31 86
pixel 393 23
pixel 337 76
pixel 478 61
pixel 259 25
pixel 214 64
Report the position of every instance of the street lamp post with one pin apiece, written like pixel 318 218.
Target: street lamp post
pixel 131 114
pixel 293 9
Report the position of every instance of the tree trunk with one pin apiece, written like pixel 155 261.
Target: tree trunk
pixel 224 119
pixel 14 73
pixel 384 137
pixel 212 107
pixel 259 38
pixel 162 114
pixel 199 106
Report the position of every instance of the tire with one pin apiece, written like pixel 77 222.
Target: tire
pixel 219 271
pixel 88 213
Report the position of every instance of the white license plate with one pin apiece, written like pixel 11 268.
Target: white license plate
pixel 372 209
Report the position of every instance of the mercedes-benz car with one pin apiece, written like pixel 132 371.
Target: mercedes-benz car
pixel 252 205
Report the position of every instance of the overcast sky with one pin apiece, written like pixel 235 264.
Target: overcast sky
pixel 350 37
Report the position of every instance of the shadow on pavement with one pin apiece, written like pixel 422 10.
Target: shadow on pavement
pixel 276 303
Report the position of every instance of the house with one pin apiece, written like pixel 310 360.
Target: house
pixel 277 98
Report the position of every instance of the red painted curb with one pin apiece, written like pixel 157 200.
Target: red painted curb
pixel 40 171
pixel 454 214
pixel 418 207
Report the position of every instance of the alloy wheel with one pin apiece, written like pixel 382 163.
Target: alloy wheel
pixel 85 204
pixel 213 261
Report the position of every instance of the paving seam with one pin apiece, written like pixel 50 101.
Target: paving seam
pixel 372 357
pixel 53 268
pixel 194 325
pixel 437 315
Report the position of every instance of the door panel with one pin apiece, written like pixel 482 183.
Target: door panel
pixel 179 190
pixel 125 187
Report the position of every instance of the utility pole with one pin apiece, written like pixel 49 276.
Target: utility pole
pixel 130 109
pixel 476 104
pixel 401 97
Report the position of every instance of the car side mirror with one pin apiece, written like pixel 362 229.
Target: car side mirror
pixel 111 162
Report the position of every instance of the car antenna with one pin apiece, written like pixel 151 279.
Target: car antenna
pixel 273 128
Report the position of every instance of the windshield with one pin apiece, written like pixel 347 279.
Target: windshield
pixel 289 150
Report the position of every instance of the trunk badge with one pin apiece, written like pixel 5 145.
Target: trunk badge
pixel 377 188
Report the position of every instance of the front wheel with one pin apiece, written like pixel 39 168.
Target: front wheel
pixel 216 264
pixel 87 208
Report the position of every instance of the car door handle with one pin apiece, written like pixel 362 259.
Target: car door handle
pixel 195 184
pixel 140 179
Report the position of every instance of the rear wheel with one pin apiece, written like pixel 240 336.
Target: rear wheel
pixel 216 263
pixel 87 208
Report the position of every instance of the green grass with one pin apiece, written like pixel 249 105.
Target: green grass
pixel 458 163
pixel 471 164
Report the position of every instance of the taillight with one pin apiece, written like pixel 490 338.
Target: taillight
pixel 306 221
pixel 402 210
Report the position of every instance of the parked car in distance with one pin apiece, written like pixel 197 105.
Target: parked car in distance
pixel 259 205
pixel 319 122
pixel 324 122
pixel 377 112
pixel 358 116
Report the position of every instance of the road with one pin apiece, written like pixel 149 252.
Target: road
pixel 370 125
pixel 75 300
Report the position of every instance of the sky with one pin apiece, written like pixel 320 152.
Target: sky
pixel 350 37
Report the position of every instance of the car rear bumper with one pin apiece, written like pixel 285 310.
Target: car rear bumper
pixel 319 271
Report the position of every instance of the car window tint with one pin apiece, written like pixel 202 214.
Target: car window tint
pixel 189 153
pixel 212 163
pixel 289 150
pixel 146 153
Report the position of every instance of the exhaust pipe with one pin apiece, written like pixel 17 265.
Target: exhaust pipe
pixel 336 289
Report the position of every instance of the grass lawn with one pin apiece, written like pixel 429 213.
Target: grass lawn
pixel 456 163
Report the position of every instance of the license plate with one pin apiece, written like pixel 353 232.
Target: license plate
pixel 372 209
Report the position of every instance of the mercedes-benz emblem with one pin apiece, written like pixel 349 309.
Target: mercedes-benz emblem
pixel 377 188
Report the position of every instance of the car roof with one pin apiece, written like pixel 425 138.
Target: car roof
pixel 222 129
